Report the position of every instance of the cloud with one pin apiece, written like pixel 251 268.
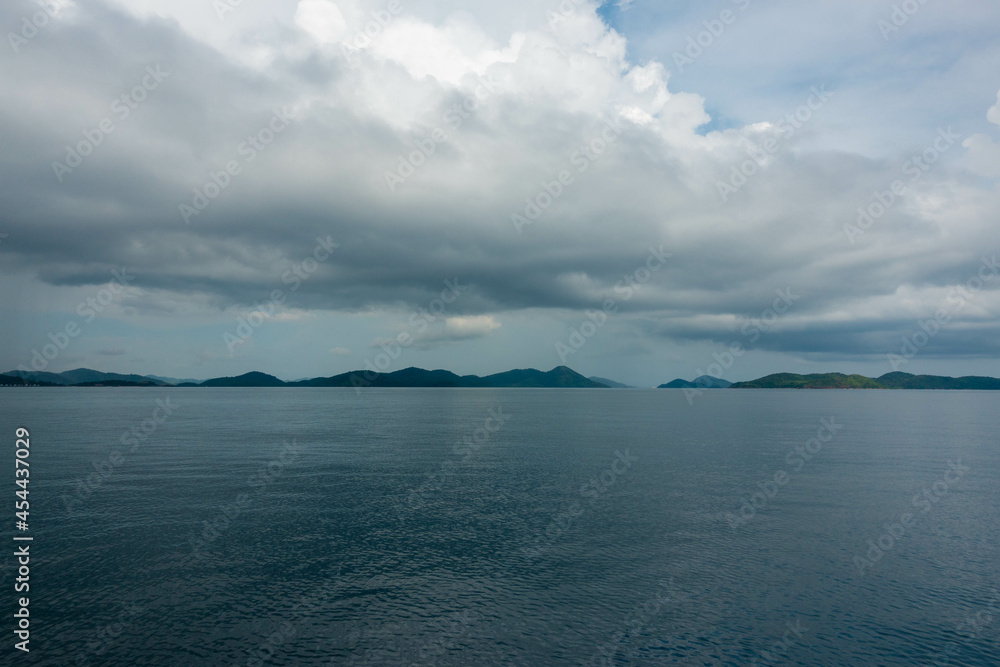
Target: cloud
pixel 341 352
pixel 984 155
pixel 447 332
pixel 983 150
pixel 643 160
pixel 471 327
pixel 321 19
pixel 457 330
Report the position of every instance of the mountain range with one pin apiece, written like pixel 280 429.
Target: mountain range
pixel 895 380
pixel 79 376
pixel 559 377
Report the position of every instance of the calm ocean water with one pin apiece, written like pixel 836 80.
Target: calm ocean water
pixel 507 527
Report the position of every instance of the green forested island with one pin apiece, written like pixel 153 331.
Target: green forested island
pixel 895 380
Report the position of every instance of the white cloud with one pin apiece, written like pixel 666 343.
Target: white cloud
pixel 448 332
pixel 321 19
pixel 983 152
pixel 473 326
pixel 446 53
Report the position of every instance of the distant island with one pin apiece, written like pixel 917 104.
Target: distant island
pixel 559 377
pixel 895 380
pixel 702 382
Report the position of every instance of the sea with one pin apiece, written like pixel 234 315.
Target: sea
pixel 327 526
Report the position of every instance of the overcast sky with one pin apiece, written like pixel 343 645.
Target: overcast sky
pixel 471 179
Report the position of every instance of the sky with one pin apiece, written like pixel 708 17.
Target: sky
pixel 639 190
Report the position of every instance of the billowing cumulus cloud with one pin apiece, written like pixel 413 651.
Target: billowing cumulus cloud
pixel 537 162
